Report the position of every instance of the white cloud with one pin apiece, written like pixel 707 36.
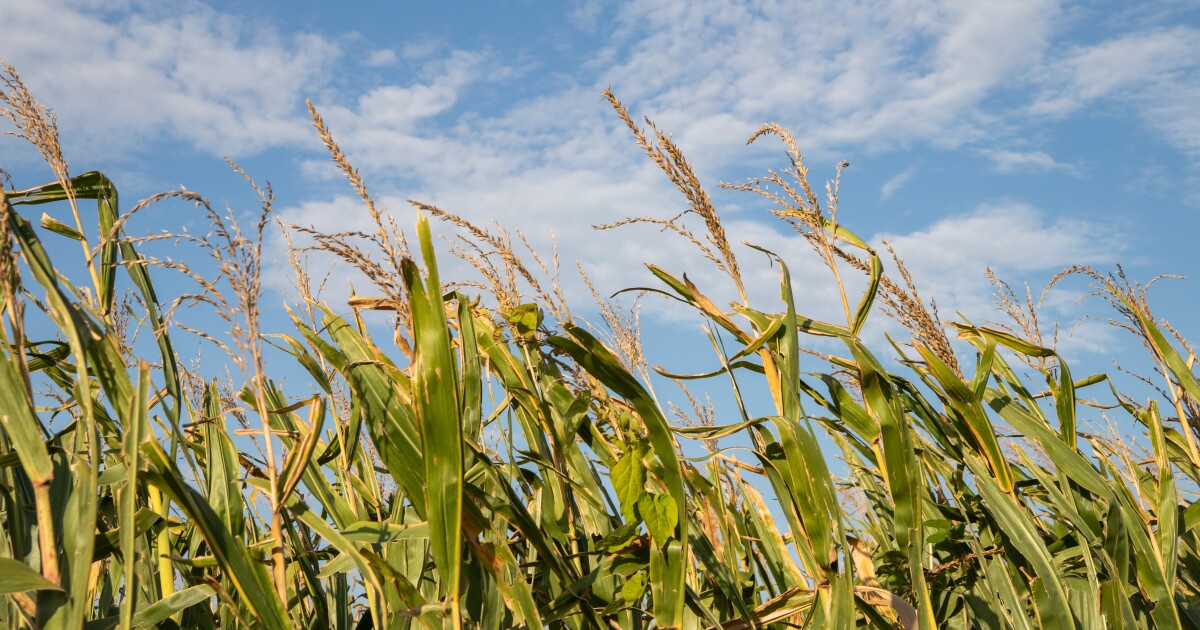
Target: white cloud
pixel 1114 65
pixel 874 75
pixel 187 71
pixel 1016 240
pixel 586 15
pixel 869 75
pixel 710 73
pixel 1157 72
pixel 879 75
pixel 420 48
pixel 383 57
pixel 1027 161
pixel 896 182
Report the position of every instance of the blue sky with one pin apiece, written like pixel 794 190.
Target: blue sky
pixel 1026 135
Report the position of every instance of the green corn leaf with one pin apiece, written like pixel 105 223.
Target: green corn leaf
pixel 901 471
pixel 1064 457
pixel 88 346
pixel 1055 610
pixel 1150 566
pixel 1166 352
pixel 367 570
pixel 300 456
pixel 471 383
pixel 1064 401
pixel 803 468
pixel 525 318
pixel 1005 339
pixel 383 394
pixel 668 588
pixel 306 360
pixel 436 402
pixel 135 432
pixel 693 296
pixel 60 228
pixel 868 298
pixel 150 616
pixel 963 400
pixel 22 426
pixel 600 363
pixel 1167 506
pixel 91 185
pixel 248 576
pixel 17 577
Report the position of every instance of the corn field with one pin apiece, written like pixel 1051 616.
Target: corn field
pixel 499 463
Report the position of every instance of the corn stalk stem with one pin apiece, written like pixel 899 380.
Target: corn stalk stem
pixel 278 566
pixel 46 545
pixel 278 569
pixel 166 572
pixel 87 248
pixel 1185 426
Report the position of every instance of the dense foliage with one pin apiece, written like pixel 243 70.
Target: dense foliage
pixel 498 463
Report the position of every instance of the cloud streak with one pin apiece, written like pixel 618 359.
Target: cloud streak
pixel 1156 72
pixel 185 72
pixel 896 182
pixel 949 256
pixel 1005 161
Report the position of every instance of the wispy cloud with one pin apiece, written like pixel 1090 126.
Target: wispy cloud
pixel 379 58
pixel 874 77
pixel 1027 162
pixel 1129 60
pixel 1024 246
pixel 896 182
pixel 710 74
pixel 1156 72
pixel 949 256
pixel 877 75
pixel 186 72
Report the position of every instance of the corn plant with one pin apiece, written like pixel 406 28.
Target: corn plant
pixel 501 463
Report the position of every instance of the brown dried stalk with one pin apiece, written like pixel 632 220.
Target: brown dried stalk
pixel 670 159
